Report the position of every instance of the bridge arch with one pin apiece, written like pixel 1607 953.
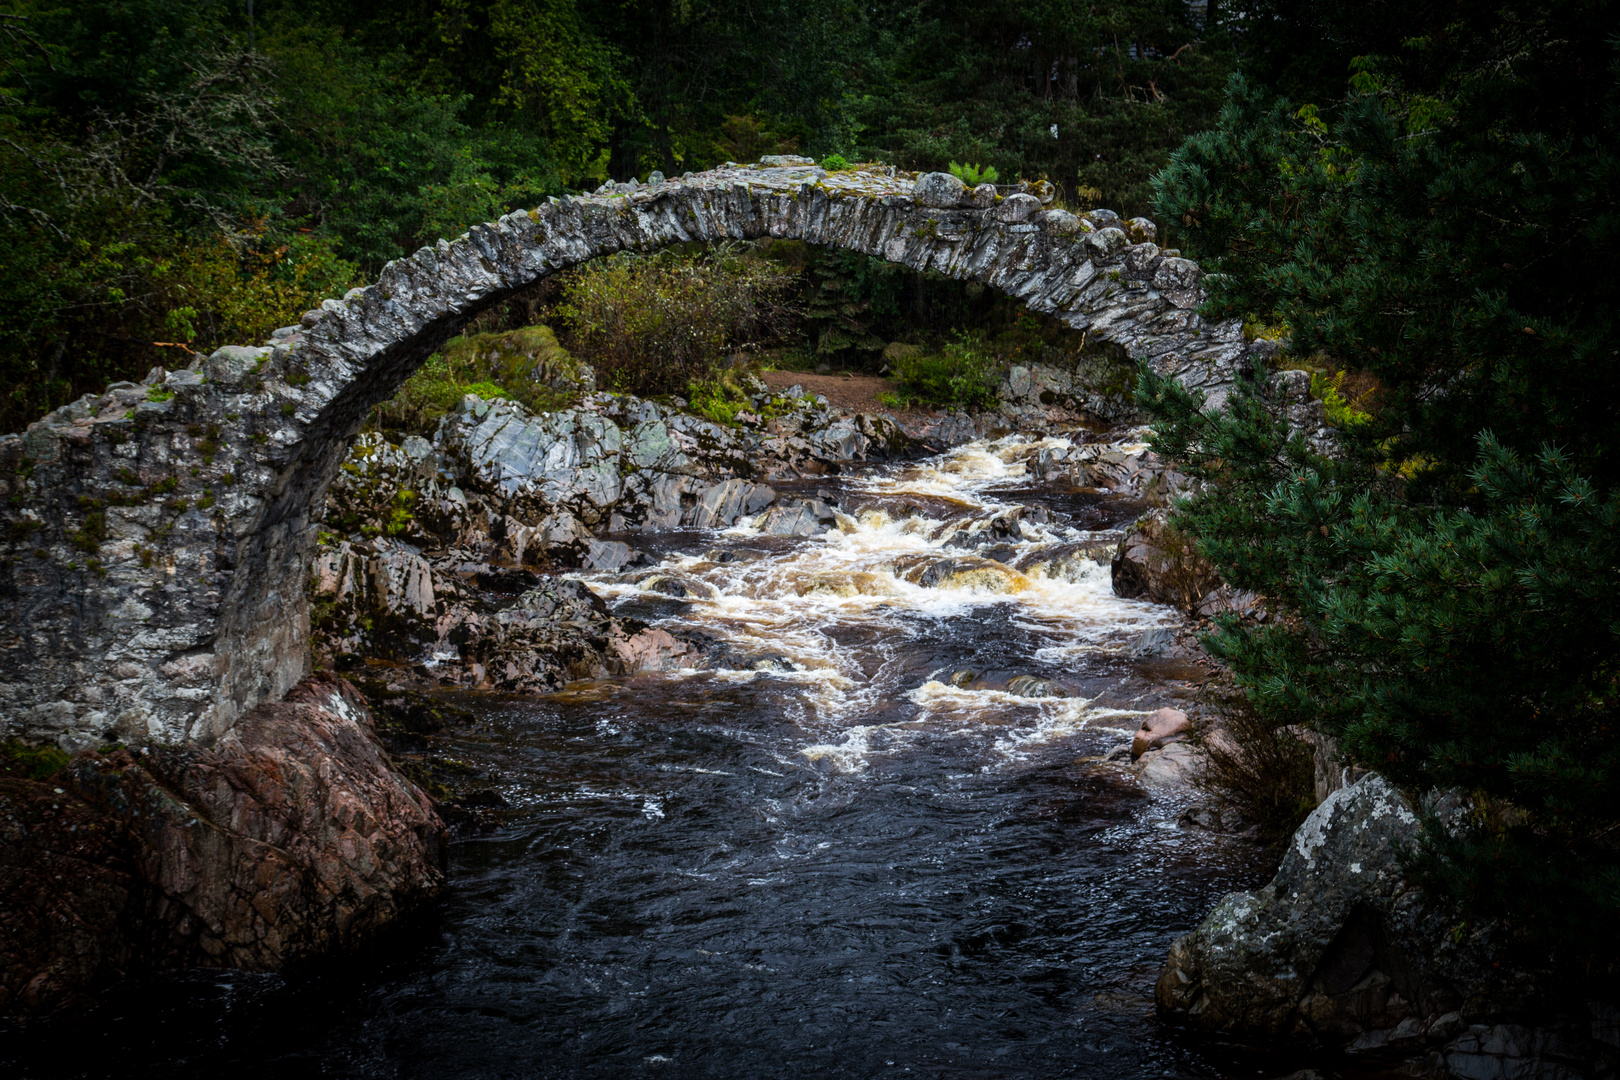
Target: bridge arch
pixel 159 536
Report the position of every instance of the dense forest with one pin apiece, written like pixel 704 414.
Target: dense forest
pixel 177 175
pixel 1418 200
pixel 1436 250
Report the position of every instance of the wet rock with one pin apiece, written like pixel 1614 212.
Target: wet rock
pixel 1032 687
pixel 968 573
pixel 1008 525
pixel 1177 765
pixel 1159 729
pixel 650 607
pixel 726 502
pixel 1339 943
pixel 608 555
pixel 1073 562
pixel 679 585
pixel 1155 562
pixel 653 650
pixel 808 517
pixel 955 430
pixel 293 837
pixel 1161 641
pixel 505 580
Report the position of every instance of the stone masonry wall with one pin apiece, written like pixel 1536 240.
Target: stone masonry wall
pixel 156 538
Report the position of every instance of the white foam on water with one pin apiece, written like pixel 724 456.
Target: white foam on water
pixel 839 605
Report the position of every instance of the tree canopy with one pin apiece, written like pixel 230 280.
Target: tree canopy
pixel 175 176
pixel 1434 246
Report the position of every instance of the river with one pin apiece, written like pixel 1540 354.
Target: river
pixel 870 847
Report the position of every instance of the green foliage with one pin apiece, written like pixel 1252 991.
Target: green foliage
pixel 525 365
pixel 1122 82
pixel 488 391
pixel 1445 589
pixel 399 516
pixel 963 375
pixel 33 762
pixel 834 162
pixel 651 324
pixel 1341 412
pixel 974 175
pixel 716 400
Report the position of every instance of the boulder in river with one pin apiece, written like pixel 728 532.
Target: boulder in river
pixel 1340 948
pixel 808 517
pixel 1176 765
pixel 1159 729
pixel 967 572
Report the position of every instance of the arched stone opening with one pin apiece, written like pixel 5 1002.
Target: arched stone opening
pixel 160 536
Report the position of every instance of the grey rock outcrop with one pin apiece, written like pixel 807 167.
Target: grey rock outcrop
pixel 1340 948
pixel 1308 955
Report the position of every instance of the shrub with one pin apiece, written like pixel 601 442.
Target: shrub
pixel 1453 631
pixel 834 162
pixel 963 375
pixel 525 365
pixel 974 175
pixel 652 324
pixel 1261 771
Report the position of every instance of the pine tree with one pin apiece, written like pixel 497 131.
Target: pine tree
pixel 1449 585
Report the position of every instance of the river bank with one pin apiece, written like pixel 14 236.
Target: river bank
pixel 888 836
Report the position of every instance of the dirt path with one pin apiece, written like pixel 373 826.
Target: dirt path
pixel 857 393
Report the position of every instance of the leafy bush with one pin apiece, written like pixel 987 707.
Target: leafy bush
pixel 524 365
pixel 964 375
pixel 834 162
pixel 973 175
pixel 651 324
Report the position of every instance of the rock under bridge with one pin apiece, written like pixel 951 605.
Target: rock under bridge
pixel 158 537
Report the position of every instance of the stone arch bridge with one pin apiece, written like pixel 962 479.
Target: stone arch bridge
pixel 158 537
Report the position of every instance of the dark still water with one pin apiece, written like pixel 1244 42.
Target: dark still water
pixel 828 859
